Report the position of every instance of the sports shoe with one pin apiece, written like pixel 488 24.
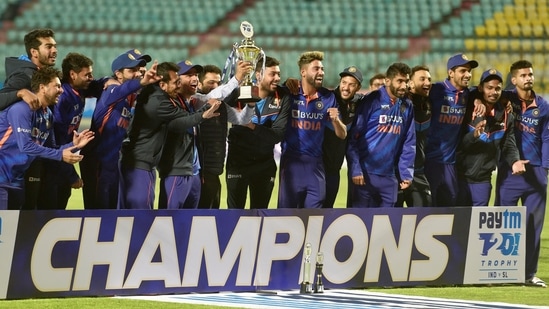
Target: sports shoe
pixel 535 281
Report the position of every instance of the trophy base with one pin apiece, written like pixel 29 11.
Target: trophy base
pixel 306 288
pixel 249 94
pixel 319 288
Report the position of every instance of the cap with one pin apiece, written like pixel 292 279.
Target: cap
pixel 460 60
pixel 186 66
pixel 354 72
pixel 491 73
pixel 138 55
pixel 125 61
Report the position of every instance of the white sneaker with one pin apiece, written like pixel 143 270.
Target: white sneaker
pixel 535 281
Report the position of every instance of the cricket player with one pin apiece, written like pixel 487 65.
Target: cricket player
pixel 382 142
pixel 532 136
pixel 302 179
pixel 24 131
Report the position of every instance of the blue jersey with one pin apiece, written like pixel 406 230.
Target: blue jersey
pixel 382 137
pixel 22 134
pixel 532 129
pixel 448 110
pixel 305 129
pixel 67 114
pixel 111 119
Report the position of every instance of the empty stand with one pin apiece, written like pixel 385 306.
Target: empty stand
pixel 366 33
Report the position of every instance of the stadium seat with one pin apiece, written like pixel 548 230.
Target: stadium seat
pixel 488 28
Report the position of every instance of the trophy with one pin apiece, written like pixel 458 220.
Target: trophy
pixel 306 286
pixel 319 286
pixel 247 51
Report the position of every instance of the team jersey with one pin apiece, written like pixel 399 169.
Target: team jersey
pixel 22 134
pixel 382 137
pixel 532 129
pixel 67 114
pixel 448 110
pixel 305 129
pixel 111 119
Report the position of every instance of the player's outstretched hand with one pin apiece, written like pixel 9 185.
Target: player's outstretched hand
pixel 150 76
pixel 212 111
pixel 83 138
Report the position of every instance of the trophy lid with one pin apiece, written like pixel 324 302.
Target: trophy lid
pixel 246 29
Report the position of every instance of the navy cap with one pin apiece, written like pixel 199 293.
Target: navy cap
pixel 460 60
pixel 136 53
pixel 354 72
pixel 186 66
pixel 126 61
pixel 491 74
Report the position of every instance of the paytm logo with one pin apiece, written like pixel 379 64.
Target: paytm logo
pixel 497 220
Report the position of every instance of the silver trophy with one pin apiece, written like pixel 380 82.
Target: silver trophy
pixel 248 52
pixel 319 286
pixel 306 285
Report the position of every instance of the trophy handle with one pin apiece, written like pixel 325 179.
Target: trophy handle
pixel 263 64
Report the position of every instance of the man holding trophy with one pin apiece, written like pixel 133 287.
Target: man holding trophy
pixel 246 51
pixel 250 161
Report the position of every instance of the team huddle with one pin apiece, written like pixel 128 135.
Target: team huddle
pixel 410 141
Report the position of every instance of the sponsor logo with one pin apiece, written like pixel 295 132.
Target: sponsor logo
pixel 390 119
pixel 449 99
pixel 445 109
pixel 307 115
pixel 39 135
pixel 23 130
pixel 528 120
pixel 500 237
pixel 498 220
pixel 75 120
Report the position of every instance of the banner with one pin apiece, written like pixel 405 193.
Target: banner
pixel 115 252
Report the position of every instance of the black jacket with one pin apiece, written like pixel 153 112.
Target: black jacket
pixel 333 147
pixel 213 142
pixel 155 115
pixel 178 153
pixel 19 73
pixel 478 157
pixel 250 147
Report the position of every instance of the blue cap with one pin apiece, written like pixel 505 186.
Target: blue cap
pixel 491 74
pixel 354 72
pixel 186 66
pixel 126 61
pixel 460 60
pixel 136 53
